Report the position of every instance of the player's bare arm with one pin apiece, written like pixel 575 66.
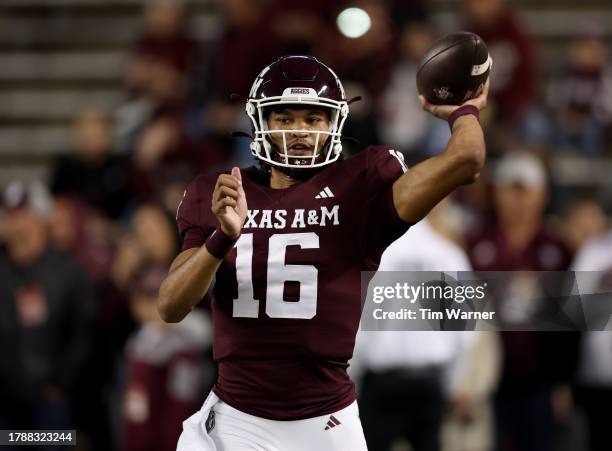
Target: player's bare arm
pixel 421 188
pixel 192 271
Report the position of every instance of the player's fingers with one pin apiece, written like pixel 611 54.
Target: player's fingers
pixel 218 208
pixel 481 100
pixel 436 110
pixel 231 181
pixel 485 94
pixel 487 86
pixel 428 106
pixel 227 202
pixel 241 193
pixel 236 174
pixel 483 103
pixel 219 181
pixel 441 111
pixel 226 191
pixel 423 101
pixel 228 180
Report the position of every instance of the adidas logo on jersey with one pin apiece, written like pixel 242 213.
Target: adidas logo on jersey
pixel 325 193
pixel 332 422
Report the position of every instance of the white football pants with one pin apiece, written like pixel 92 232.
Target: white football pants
pixel 219 427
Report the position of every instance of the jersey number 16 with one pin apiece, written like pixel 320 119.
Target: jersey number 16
pixel 246 306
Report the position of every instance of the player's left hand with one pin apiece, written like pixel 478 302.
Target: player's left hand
pixel 444 111
pixel 229 203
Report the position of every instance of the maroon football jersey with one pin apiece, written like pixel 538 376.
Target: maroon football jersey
pixel 286 300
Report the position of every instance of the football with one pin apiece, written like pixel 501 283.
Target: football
pixel 454 69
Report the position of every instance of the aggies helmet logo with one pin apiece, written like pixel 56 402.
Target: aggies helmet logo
pixel 442 93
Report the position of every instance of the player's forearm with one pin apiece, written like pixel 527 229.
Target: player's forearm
pixel 421 188
pixel 467 146
pixel 186 284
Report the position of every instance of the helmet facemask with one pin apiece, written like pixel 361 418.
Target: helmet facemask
pixel 296 82
pixel 326 151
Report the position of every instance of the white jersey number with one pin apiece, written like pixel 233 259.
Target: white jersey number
pixel 246 306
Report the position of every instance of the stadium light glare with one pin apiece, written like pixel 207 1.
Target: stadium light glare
pixel 353 22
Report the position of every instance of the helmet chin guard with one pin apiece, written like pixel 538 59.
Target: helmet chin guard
pixel 298 82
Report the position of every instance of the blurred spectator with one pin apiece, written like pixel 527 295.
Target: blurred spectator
pixel 172 148
pixel 469 422
pixel 583 220
pixel 157 142
pixel 151 241
pixel 167 88
pixel 299 24
pixel 91 172
pixel 594 393
pixel 517 238
pixel 137 107
pixel 413 378
pixel 513 76
pixel 246 46
pixel 257 32
pixel 167 37
pixel 166 371
pixel 219 148
pixel 581 97
pixel 83 233
pixel 404 12
pixel 161 98
pixel 537 367
pixel 79 230
pixel 399 104
pixel 46 314
pixel 168 144
pixel 160 76
pixel 162 153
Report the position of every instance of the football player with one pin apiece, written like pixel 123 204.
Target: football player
pixel 287 266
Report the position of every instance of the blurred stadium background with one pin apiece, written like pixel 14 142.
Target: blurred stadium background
pixel 108 108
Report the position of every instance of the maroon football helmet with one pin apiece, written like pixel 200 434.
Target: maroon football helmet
pixel 296 81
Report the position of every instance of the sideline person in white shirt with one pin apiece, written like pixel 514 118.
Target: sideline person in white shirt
pixel 594 391
pixel 410 378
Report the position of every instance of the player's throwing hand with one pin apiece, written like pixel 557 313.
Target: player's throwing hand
pixel 444 111
pixel 229 203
